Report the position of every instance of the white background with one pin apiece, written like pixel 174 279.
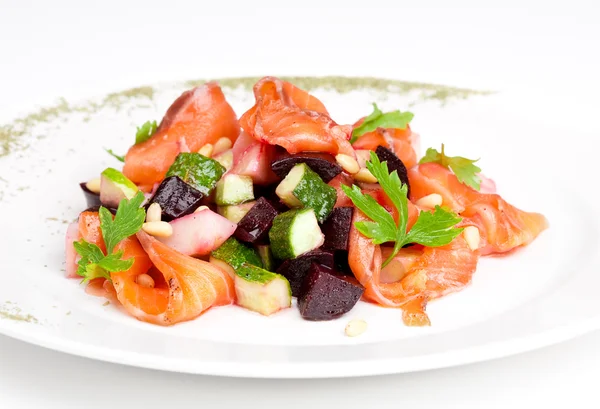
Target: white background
pixel 77 48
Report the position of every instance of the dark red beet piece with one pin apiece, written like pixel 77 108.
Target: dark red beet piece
pixel 255 225
pixel 342 266
pixel 394 164
pixel 322 164
pixel 337 228
pixel 295 270
pixel 176 198
pixel 268 192
pixel 92 199
pixel 325 296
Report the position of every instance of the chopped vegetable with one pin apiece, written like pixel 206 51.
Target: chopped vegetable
pixel 465 169
pixel 296 269
pixel 199 233
pixel 234 189
pixel 128 221
pixel 255 225
pixel 264 250
pixel 326 296
pixel 337 228
pixel 176 198
pixel 431 229
pixel 304 188
pixel 394 163
pixel 145 131
pixel 114 187
pixel 295 232
pixel 378 119
pixel 236 253
pixel 235 213
pixel 323 164
pixel 261 290
pixel 200 172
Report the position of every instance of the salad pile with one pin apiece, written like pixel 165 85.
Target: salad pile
pixel 209 210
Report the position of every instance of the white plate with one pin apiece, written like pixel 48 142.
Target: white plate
pixel 539 295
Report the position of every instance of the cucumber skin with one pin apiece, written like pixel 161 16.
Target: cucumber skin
pixel 266 256
pixel 235 253
pixel 257 275
pixel 279 235
pixel 198 171
pixel 312 192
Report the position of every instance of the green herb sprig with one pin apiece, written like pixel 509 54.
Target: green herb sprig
pixel 378 119
pixel 127 221
pixel 465 169
pixel 431 229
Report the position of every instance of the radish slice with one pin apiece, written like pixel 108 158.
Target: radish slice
pixel 198 234
pixel 256 163
pixel 71 255
pixel 240 146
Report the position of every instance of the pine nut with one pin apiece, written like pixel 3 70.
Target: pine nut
pixel 430 201
pixel 93 185
pixel 206 150
pixel 158 229
pixel 365 175
pixel 472 237
pixel 222 145
pixel 355 328
pixel 154 213
pixel 201 208
pixel 145 280
pixel 348 163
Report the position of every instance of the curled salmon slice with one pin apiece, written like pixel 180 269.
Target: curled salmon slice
pixel 287 116
pixel 436 272
pixel 199 116
pixel 185 286
pixel 403 142
pixel 502 226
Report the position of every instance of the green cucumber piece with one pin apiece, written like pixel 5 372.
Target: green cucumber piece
pixel 197 170
pixel 222 265
pixel 262 291
pixel 235 213
pixel 264 251
pixel 114 187
pixel 295 232
pixel 302 187
pixel 234 190
pixel 235 253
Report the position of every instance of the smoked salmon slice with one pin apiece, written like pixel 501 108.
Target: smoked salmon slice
pixel 502 226
pixel 199 116
pixel 403 142
pixel 287 116
pixel 187 287
pixel 437 272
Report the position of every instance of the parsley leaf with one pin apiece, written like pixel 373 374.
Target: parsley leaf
pixel 431 229
pixel 465 169
pixel 127 221
pixel 117 157
pixel 90 254
pixel 378 119
pixel 145 131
